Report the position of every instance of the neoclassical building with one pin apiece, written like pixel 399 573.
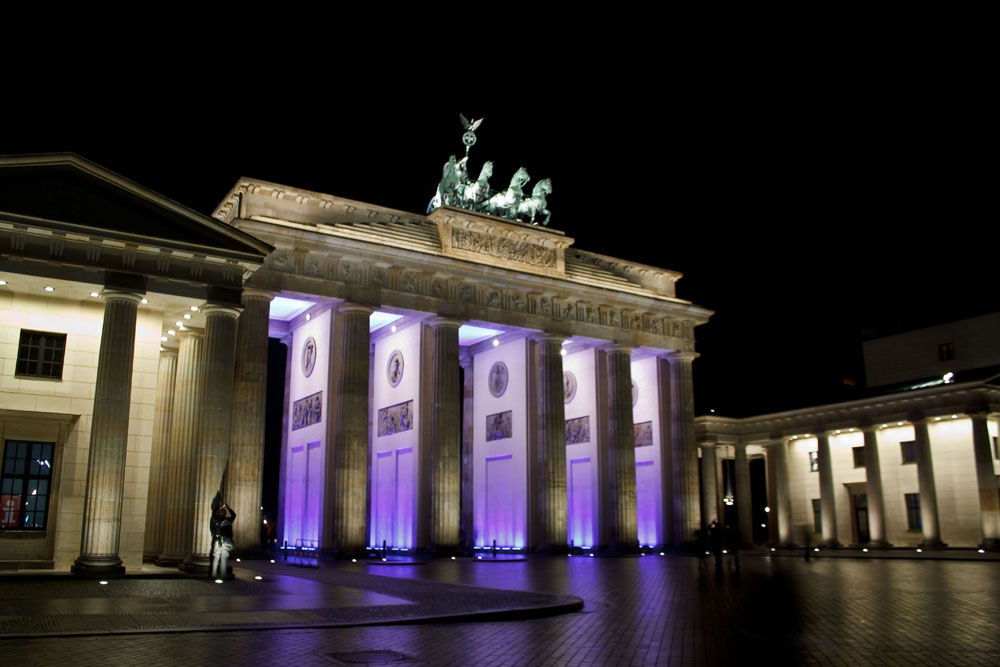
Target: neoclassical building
pixel 455 379
pixel 915 467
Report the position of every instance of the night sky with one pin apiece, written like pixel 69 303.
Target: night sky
pixel 809 206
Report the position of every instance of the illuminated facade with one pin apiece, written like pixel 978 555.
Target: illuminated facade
pixel 452 380
pixel 915 468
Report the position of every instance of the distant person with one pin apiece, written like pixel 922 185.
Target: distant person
pixel 715 541
pixel 222 537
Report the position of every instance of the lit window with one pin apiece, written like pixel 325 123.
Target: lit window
pixel 24 485
pixel 813 461
pixel 40 354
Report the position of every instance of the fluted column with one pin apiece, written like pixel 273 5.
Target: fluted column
pixel 828 508
pixel 782 498
pixel 468 428
pixel 214 428
pixel 179 506
pixel 873 489
pixel 928 490
pixel 246 446
pixel 102 507
pixel 709 485
pixel 619 444
pixel 551 444
pixel 989 501
pixel 445 438
pixel 684 450
pixel 744 510
pixel 159 464
pixel 345 519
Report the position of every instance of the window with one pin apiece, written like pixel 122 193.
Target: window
pixel 813 461
pixel 24 484
pixel 913 512
pixel 908 450
pixel 817 515
pixel 40 354
pixel 996 448
pixel 859 456
pixel 946 351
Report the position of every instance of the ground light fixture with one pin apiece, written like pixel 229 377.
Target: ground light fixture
pixel 259 578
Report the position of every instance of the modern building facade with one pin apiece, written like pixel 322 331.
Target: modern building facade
pixel 453 380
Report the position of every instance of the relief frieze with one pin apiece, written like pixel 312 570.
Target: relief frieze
pixel 502 248
pixel 307 411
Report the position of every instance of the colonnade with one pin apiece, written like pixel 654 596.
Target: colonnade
pixel 209 399
pixel 779 496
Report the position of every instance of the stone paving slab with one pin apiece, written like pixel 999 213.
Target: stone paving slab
pixel 262 596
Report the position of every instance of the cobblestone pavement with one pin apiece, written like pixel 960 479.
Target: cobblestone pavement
pixel 638 611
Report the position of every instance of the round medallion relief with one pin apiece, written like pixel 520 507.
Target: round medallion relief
pixel 635 393
pixel 498 379
pixel 309 356
pixel 569 386
pixel 394 369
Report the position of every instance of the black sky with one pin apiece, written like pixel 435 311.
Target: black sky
pixel 807 200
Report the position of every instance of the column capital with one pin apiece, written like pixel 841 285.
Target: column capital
pixel 255 293
pixel 189 331
pixel 680 355
pixel 219 310
pixel 546 337
pixel 354 308
pixel 112 294
pixel 439 321
pixel 168 351
pixel 616 347
pixel 778 439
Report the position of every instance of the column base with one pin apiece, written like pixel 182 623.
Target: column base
pixel 196 564
pixel 98 567
pixel 880 544
pixel 932 544
pixel 990 545
pixel 829 544
pixel 169 560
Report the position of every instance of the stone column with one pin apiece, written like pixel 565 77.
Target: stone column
pixel 468 440
pixel 744 509
pixel 684 450
pixel 159 463
pixel 551 451
pixel 246 446
pixel 828 508
pixel 928 490
pixel 989 501
pixel 709 485
pixel 346 517
pixel 620 514
pixel 782 508
pixel 445 446
pixel 873 489
pixel 102 509
pixel 214 428
pixel 179 506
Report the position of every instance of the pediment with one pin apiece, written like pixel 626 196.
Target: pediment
pixel 65 188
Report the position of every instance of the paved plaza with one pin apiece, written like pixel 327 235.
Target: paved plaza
pixel 636 611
